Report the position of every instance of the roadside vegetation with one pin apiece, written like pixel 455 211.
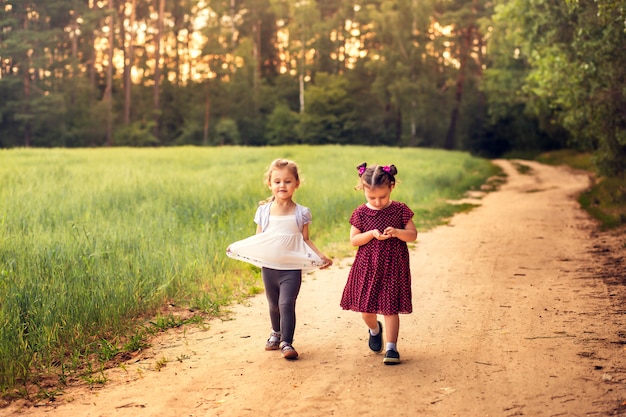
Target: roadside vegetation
pixel 95 242
pixel 606 199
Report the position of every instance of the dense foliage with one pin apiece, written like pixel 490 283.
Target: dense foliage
pixel 564 63
pixel 489 77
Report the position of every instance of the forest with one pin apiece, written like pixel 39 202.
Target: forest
pixel 485 76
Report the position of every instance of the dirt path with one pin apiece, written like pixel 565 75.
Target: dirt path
pixel 512 316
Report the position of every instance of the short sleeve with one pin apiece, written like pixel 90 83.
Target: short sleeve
pixel 406 214
pixel 355 220
pixel 306 216
pixel 258 216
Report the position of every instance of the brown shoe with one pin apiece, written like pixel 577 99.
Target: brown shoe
pixel 288 351
pixel 273 344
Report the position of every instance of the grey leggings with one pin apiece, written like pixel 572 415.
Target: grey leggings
pixel 281 289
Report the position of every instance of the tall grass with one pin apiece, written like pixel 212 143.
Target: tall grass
pixel 91 238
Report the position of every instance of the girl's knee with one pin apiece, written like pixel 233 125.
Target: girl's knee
pixel 287 306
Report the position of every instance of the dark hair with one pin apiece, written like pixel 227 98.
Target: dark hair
pixel 376 175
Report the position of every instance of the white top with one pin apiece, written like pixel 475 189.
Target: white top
pixel 262 215
pixel 280 246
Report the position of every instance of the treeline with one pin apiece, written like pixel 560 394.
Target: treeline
pixel 477 75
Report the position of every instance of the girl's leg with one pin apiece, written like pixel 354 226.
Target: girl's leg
pixel 271 279
pixel 290 282
pixel 392 324
pixel 392 328
pixel 371 320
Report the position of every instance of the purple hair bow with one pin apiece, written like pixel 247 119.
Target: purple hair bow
pixel 386 168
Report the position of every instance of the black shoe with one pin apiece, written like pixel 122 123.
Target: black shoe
pixel 392 357
pixel 376 342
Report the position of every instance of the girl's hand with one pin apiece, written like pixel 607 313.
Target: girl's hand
pixel 380 236
pixel 408 234
pixel 327 262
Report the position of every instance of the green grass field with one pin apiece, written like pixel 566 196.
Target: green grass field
pixel 91 239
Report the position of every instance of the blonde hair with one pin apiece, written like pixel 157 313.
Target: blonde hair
pixel 276 165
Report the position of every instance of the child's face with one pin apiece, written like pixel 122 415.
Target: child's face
pixel 379 197
pixel 283 183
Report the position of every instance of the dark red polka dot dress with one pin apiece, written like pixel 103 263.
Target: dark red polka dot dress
pixel 380 277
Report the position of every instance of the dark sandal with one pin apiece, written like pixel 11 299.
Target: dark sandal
pixel 376 342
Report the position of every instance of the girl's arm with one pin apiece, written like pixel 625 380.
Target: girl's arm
pixel 305 234
pixel 408 234
pixel 358 238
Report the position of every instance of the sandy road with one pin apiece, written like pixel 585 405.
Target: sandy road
pixel 512 316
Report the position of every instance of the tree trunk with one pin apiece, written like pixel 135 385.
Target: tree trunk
pixel 26 79
pixel 129 53
pixel 108 92
pixel 91 61
pixel 27 127
pixel 207 113
pixel 301 93
pixel 399 126
pixel 157 68
pixel 465 49
pixel 302 68
pixel 413 138
pixel 75 72
pixel 178 48
pixel 257 61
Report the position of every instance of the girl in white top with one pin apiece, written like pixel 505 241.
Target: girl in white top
pixel 283 249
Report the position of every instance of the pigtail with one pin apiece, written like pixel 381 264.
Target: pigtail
pixel 361 168
pixel 376 175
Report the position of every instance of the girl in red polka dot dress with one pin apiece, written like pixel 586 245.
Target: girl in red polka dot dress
pixel 379 281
